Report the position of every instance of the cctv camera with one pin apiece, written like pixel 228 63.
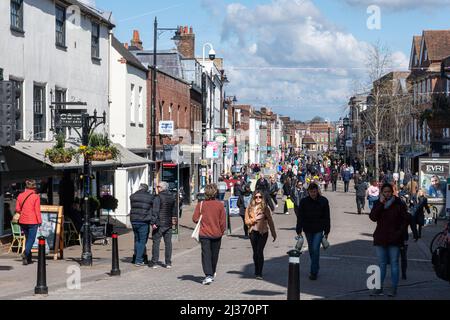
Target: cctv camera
pixel 212 54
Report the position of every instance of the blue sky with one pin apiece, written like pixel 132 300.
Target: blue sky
pixel 273 49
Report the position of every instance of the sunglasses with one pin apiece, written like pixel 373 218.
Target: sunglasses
pixel 258 197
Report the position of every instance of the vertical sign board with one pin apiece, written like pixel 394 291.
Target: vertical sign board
pixel 232 204
pixel 433 167
pixel 52 229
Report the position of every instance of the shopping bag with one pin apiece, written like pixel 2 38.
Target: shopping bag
pixel 196 233
pixel 289 203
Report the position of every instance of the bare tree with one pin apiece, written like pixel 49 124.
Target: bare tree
pixel 379 62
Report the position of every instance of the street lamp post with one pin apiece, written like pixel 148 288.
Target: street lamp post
pixel 89 124
pixel 346 122
pixel 155 81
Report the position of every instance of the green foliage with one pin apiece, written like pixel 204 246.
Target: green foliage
pixel 59 154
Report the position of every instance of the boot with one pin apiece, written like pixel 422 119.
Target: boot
pixel 30 258
pixel 24 259
pixel 145 259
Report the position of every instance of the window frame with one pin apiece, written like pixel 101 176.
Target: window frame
pixel 16 17
pixel 60 33
pixel 95 40
pixel 133 104
pixel 19 122
pixel 39 131
pixel 140 106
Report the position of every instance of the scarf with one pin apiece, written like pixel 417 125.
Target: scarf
pixel 389 203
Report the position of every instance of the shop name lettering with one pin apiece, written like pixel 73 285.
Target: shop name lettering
pixel 435 168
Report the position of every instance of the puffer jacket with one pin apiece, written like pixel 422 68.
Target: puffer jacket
pixel 28 204
pixel 165 206
pixel 141 208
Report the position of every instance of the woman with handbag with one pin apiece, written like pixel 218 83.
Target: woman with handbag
pixel 258 218
pixel 28 215
pixel 211 217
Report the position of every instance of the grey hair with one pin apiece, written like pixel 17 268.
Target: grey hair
pixel 143 186
pixel 164 185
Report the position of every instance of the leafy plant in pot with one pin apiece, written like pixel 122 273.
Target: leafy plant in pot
pixel 99 148
pixel 60 154
pixel 108 202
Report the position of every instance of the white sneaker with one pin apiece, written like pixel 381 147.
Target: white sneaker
pixel 287 213
pixel 207 281
pixel 276 206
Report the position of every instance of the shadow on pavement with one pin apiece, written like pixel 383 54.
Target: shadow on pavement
pixel 238 236
pixel 288 229
pixel 6 268
pixel 263 293
pixel 191 278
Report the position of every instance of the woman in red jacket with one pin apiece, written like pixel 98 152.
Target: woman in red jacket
pixel 28 204
pixel 212 228
pixel 392 218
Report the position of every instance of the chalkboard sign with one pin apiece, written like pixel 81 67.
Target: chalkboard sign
pixel 52 230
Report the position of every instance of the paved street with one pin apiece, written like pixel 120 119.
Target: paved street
pixel 343 267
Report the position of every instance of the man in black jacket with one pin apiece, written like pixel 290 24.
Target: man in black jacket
pixel 166 209
pixel 361 194
pixel 141 216
pixel 313 218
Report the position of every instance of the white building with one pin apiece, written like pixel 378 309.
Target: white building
pixel 128 122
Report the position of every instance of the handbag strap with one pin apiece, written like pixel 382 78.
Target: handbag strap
pixel 23 203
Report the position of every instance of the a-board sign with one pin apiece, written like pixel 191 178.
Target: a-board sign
pixel 233 207
pixel 52 229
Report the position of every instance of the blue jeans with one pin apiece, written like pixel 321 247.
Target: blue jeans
pixel 372 200
pixel 390 255
pixel 141 232
pixel 221 196
pixel 314 242
pixel 30 231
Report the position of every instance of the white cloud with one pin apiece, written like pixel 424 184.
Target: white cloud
pixel 286 54
pixel 402 4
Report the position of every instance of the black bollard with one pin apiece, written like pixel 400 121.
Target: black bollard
pixel 41 286
pixel 294 275
pixel 115 271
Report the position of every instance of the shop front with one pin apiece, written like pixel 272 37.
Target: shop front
pixel 26 160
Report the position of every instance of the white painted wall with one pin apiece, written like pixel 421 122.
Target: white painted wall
pixel 34 57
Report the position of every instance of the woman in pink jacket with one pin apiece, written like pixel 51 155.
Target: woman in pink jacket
pixel 28 204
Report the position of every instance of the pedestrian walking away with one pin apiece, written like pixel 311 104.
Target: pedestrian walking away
pixel 212 228
pixel 28 205
pixel 165 207
pixel 313 218
pixel 361 191
pixel 373 193
pixel 392 219
pixel 222 189
pixel 258 218
pixel 141 217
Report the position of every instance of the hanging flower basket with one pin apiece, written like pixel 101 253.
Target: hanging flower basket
pixel 60 158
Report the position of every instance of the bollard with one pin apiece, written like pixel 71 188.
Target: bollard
pixel 41 286
pixel 115 271
pixel 294 275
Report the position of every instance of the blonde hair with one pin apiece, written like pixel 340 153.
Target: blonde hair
pixel 253 203
pixel 30 184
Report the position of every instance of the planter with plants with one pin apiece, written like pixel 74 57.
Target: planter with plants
pixel 99 149
pixel 108 202
pixel 60 154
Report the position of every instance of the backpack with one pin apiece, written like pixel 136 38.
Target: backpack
pixel 440 260
pixel 247 200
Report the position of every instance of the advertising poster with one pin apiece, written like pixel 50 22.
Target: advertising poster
pixel 433 176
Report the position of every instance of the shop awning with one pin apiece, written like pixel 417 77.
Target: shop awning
pixel 36 151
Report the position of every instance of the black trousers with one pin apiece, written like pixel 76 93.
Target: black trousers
pixel 210 255
pixel 158 234
pixel 258 241
pixel 245 226
pixel 360 203
pixel 346 184
pixel 334 184
pixel 274 198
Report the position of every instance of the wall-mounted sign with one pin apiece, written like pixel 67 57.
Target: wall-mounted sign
pixel 69 118
pixel 212 150
pixel 166 128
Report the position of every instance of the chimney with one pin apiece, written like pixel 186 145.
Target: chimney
pixel 136 41
pixel 126 45
pixel 186 46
